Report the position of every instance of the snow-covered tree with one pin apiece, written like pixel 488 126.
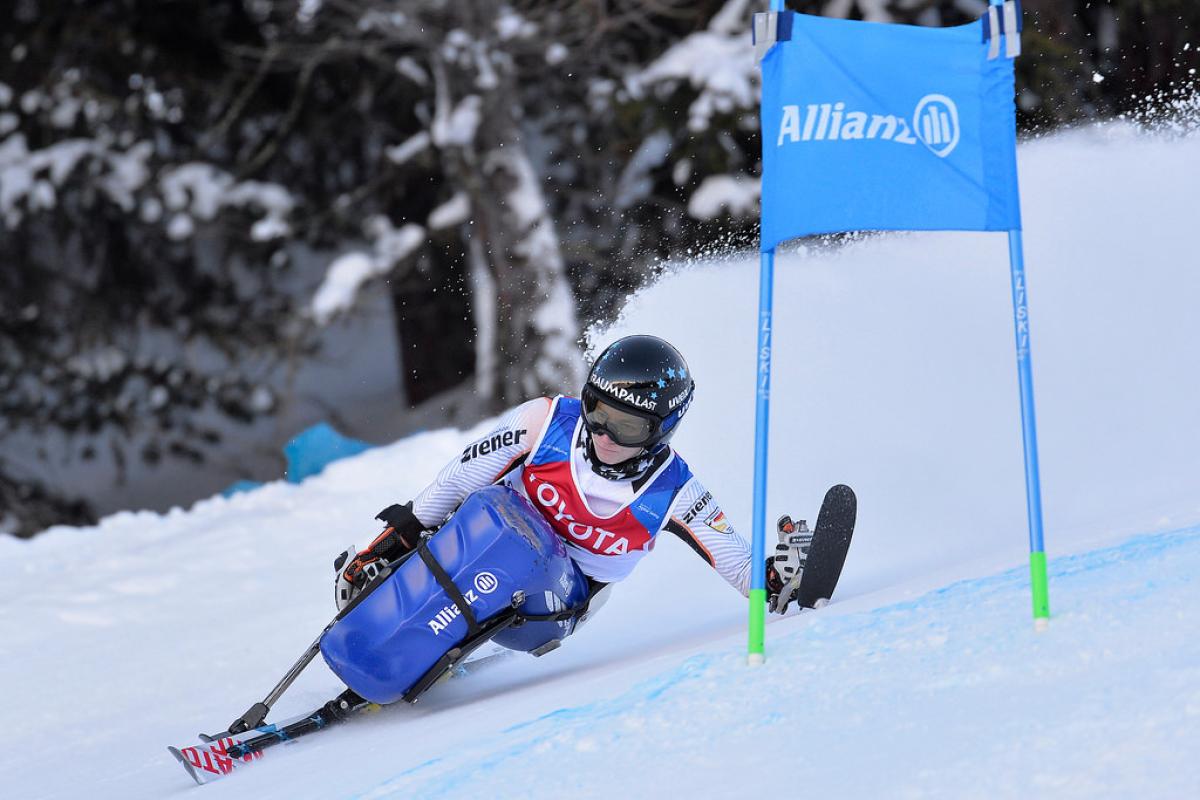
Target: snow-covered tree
pixel 462 59
pixel 138 297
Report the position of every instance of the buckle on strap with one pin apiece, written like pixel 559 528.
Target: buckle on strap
pixel 594 589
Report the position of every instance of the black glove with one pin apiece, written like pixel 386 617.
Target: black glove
pixel 403 534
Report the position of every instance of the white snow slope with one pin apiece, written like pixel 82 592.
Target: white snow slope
pixel 894 372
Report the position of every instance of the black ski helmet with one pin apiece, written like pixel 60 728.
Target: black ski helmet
pixel 643 376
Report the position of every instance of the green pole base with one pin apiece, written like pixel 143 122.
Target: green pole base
pixel 755 653
pixel 1041 590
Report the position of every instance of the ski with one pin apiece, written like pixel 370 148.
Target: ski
pixel 216 756
pixel 814 585
pixel 830 545
pixel 480 661
pixel 208 760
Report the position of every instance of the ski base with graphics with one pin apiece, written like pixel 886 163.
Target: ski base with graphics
pixel 827 553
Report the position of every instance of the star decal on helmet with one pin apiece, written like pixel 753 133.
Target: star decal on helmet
pixel 661 383
pixel 671 373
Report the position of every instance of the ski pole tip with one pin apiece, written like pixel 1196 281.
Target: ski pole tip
pixel 755 659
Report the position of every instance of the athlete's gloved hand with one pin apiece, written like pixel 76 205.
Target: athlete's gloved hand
pixel 356 570
pixel 785 567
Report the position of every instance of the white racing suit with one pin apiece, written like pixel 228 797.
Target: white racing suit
pixel 607 525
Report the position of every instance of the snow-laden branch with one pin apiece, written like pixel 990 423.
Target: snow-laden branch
pixel 454 211
pixel 30 179
pixel 456 127
pixel 347 274
pixel 408 149
pixel 735 195
pixel 30 182
pixel 717 62
pixel 200 191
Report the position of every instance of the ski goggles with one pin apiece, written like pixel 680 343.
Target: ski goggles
pixel 623 427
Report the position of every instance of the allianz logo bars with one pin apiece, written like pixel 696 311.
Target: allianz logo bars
pixel 934 123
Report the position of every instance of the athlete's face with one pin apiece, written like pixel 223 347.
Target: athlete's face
pixel 609 452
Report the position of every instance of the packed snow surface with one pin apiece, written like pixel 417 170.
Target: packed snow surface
pixel 894 372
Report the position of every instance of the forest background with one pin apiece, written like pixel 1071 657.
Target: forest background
pixel 224 221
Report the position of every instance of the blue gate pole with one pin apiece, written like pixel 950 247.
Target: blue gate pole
pixel 1033 487
pixel 755 653
pixel 758 566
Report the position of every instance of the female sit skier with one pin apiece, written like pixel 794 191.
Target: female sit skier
pixel 601 471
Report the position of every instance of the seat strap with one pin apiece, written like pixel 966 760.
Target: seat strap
pixel 443 579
